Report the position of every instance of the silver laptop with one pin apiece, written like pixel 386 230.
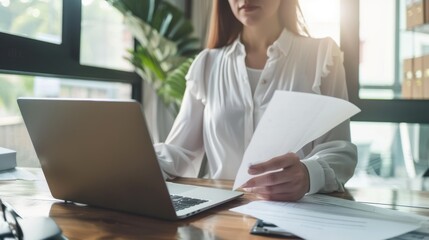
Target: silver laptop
pixel 99 152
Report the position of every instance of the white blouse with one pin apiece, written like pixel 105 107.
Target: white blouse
pixel 219 113
pixel 254 75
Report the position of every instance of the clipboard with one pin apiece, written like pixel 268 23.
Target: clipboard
pixel 270 230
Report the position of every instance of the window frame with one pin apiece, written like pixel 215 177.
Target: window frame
pixel 25 56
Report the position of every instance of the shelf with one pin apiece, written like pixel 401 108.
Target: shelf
pixel 424 28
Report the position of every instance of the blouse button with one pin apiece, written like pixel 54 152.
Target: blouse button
pixel 264 81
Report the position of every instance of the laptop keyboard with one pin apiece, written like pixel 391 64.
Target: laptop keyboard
pixel 180 202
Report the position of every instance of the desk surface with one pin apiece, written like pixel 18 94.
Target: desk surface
pixel 32 198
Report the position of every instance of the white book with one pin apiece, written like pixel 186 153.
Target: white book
pixel 7 159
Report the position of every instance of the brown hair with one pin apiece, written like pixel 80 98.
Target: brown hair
pixel 225 27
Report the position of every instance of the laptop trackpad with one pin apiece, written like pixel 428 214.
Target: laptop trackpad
pixel 174 188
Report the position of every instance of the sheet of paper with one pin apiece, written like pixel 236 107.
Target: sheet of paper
pixel 291 120
pixel 326 219
pixel 341 206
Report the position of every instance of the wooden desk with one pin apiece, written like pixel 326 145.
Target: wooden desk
pixel 32 198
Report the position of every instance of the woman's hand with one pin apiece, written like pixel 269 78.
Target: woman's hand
pixel 291 183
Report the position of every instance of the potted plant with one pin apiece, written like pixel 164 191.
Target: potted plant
pixel 165 48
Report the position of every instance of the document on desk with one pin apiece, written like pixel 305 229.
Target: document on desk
pixel 325 217
pixel 291 120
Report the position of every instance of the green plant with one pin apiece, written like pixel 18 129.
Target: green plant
pixel 166 47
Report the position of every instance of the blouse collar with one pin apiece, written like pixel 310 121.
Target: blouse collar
pixel 281 45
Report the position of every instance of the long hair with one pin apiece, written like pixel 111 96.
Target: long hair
pixel 225 27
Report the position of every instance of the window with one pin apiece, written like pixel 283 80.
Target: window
pixel 377 54
pixel 386 148
pixel 375 44
pixel 104 38
pixel 49 52
pixel 41 20
pixel 68 58
pixel 385 44
pixel 391 136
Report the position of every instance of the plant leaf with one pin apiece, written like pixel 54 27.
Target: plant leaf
pixel 166 45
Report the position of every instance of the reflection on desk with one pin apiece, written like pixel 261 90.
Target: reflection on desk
pixel 32 198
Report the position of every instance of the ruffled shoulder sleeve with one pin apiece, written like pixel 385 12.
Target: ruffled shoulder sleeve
pixel 329 58
pixel 332 56
pixel 198 74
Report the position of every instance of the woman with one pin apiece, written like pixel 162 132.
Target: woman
pixel 254 48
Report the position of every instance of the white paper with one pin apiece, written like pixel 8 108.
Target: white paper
pixel 344 204
pixel 291 120
pixel 330 218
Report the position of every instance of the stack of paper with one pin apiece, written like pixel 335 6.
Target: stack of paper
pixel 7 159
pixel 324 217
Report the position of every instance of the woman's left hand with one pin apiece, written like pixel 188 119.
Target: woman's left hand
pixel 291 183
